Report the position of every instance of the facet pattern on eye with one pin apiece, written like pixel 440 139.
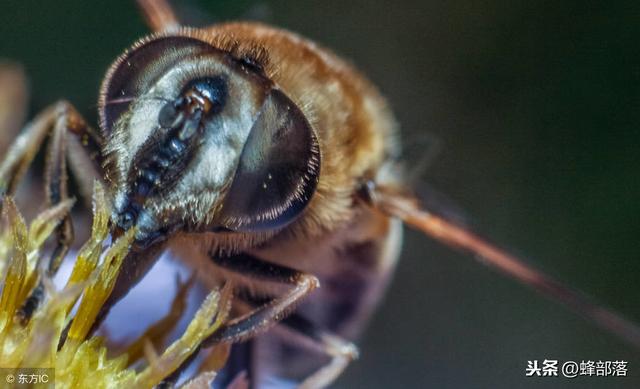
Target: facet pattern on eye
pixel 278 169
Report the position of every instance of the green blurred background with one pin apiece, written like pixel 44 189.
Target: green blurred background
pixel 536 104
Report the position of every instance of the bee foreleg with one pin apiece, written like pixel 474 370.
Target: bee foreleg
pixel 55 177
pixel 57 120
pixel 269 313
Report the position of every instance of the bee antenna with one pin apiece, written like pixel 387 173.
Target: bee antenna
pixel 407 208
pixel 128 99
pixel 119 100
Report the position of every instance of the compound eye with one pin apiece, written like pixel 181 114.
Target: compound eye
pixel 278 170
pixel 139 68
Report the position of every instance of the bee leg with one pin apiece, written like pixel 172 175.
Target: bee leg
pixel 55 121
pixel 307 334
pixel 56 182
pixel 21 153
pixel 269 313
pixel 303 332
pixel 58 119
pixel 159 15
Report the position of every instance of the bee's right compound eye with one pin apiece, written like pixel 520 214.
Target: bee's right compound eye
pixel 278 170
pixel 135 72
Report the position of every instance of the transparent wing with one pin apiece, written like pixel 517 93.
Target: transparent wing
pixel 407 208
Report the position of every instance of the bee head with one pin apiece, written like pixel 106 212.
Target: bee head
pixel 198 140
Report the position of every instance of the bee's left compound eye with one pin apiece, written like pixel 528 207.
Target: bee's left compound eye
pixel 278 170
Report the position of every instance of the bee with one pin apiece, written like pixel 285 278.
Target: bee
pixel 260 157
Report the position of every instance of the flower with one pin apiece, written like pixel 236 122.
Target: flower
pixel 53 336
